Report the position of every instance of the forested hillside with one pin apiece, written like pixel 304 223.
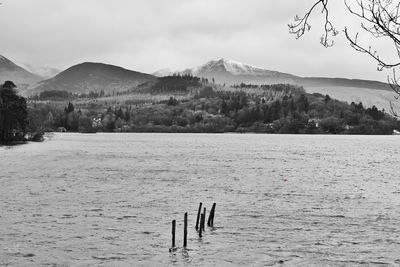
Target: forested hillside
pixel 244 108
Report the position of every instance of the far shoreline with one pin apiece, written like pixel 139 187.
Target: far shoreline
pixel 49 135
pixel 224 133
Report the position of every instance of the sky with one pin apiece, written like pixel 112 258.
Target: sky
pixel 149 35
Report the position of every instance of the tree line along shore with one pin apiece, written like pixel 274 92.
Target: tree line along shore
pixel 186 104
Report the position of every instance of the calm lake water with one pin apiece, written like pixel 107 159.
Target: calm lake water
pixel 291 200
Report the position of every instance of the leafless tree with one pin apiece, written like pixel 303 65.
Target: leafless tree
pixel 301 24
pixel 378 18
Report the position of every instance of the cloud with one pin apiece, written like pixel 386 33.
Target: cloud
pixel 148 35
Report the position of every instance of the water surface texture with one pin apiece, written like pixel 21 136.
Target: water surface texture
pixel 292 200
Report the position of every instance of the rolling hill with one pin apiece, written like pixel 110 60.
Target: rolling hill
pixel 89 76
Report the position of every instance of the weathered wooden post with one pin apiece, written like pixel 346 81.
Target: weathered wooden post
pixel 198 216
pixel 185 224
pixel 173 232
pixel 211 216
pixel 204 220
pixel 201 224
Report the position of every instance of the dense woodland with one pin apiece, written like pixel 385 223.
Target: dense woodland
pixel 211 109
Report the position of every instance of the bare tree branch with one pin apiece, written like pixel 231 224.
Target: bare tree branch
pixel 379 19
pixel 382 21
pixel 301 25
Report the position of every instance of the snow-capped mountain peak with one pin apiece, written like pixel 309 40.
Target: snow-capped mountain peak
pixel 231 66
pixel 222 66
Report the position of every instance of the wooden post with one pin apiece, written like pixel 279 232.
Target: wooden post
pixel 185 230
pixel 173 232
pixel 211 216
pixel 198 216
pixel 204 220
pixel 201 224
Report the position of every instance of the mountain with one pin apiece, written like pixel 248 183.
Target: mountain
pixel 89 76
pixel 232 72
pixel 20 76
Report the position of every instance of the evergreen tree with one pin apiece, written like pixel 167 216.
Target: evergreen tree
pixel 70 108
pixel 224 107
pixel 327 99
pixel 13 114
pixel 302 104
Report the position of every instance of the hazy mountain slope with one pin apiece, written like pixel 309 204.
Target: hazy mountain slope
pixel 88 76
pixel 12 72
pixel 369 97
pixel 45 72
pixel 341 82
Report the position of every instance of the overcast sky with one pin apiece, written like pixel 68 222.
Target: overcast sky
pixel 148 35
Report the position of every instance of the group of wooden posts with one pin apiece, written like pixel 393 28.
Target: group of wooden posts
pixel 200 224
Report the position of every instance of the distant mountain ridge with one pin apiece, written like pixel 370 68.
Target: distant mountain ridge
pixel 90 76
pixel 20 76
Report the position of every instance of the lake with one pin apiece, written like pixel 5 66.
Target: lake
pixel 292 200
